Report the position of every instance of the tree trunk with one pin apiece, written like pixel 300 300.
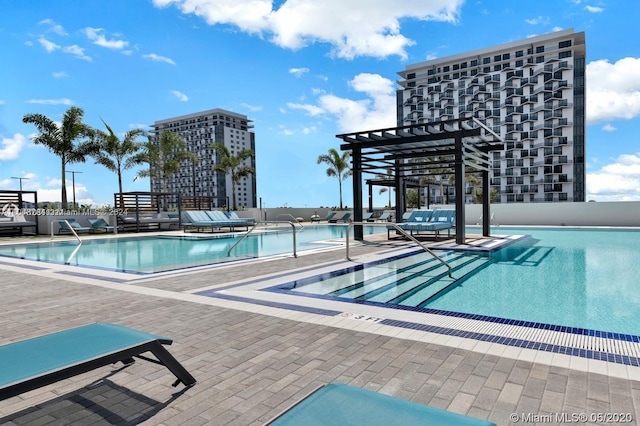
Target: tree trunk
pixel 120 189
pixel 63 198
pixel 340 186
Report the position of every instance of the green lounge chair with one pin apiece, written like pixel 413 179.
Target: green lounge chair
pixel 338 404
pixel 47 359
pixel 66 228
pixel 100 225
pixel 329 216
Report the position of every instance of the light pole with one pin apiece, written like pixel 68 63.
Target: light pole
pixel 73 184
pixel 20 179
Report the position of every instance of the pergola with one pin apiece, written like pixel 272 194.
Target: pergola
pixel 457 146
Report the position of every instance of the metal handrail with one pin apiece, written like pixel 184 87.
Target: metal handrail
pixel 403 232
pixel 294 219
pixel 73 231
pixel 293 226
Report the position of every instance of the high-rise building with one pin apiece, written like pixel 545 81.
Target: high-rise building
pixel 198 179
pixel 531 92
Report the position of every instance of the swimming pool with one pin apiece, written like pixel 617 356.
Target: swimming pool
pixel 570 277
pixel 152 254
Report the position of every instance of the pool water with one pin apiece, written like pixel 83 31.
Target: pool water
pixel 152 254
pixel 571 277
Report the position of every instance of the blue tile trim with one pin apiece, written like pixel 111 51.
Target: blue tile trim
pixel 520 343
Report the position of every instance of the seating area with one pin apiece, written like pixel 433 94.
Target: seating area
pixel 428 221
pixel 328 217
pixel 200 220
pixel 16 225
pixel 71 225
pixel 344 218
pixel 100 225
pixel 47 359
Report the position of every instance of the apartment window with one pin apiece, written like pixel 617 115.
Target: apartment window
pixel 486 70
pixel 486 61
pixel 519 63
pixel 463 65
pixel 539 59
pixel 506 56
pixel 519 53
pixel 540 49
pixel 445 69
pixel 497 58
pixel 456 75
pixel 566 54
pixel 564 44
pixel 474 63
pixel 496 67
pixel 456 67
pixel 530 51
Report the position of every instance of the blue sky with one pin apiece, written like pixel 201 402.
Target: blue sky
pixel 302 70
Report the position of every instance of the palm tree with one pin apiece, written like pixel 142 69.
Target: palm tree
pixel 388 176
pixel 338 166
pixel 232 165
pixel 61 140
pixel 163 157
pixel 116 154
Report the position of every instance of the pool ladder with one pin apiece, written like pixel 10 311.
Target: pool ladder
pixel 293 226
pixel 73 231
pixel 403 232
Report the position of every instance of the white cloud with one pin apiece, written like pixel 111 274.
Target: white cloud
pixel 53 27
pixel 61 101
pixel 10 147
pixel 353 28
pixel 59 74
pixel 98 38
pixel 310 109
pixel 298 72
pixel 2 102
pixel 618 181
pixel 613 90
pixel 540 20
pixel 376 111
pixel 594 9
pixel 76 51
pixel 180 95
pixel 608 128
pixel 308 130
pixel 158 58
pixel 138 126
pixel 253 108
pixel 49 46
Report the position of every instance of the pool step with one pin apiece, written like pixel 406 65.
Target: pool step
pixel 376 283
pixel 428 289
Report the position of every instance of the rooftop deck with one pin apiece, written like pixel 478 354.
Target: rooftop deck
pixel 252 360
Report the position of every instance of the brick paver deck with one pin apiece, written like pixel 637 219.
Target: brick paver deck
pixel 251 366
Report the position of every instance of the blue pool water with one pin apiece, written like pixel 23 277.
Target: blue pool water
pixel 152 254
pixel 571 277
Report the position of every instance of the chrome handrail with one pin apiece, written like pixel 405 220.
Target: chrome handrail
pixel 293 226
pixel 403 232
pixel 73 231
pixel 294 219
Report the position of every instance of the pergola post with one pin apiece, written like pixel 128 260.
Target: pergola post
pixel 370 197
pixel 486 204
pixel 399 191
pixel 356 157
pixel 459 188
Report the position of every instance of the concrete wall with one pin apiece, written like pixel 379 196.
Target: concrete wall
pixel 624 213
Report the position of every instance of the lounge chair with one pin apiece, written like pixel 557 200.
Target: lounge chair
pixel 234 216
pixel 16 223
pixel 384 217
pixel 220 217
pixel 367 217
pixel 439 221
pixel 47 359
pixel 328 217
pixel 345 218
pixel 72 223
pixel 100 225
pixel 340 404
pixel 412 219
pixel 199 219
